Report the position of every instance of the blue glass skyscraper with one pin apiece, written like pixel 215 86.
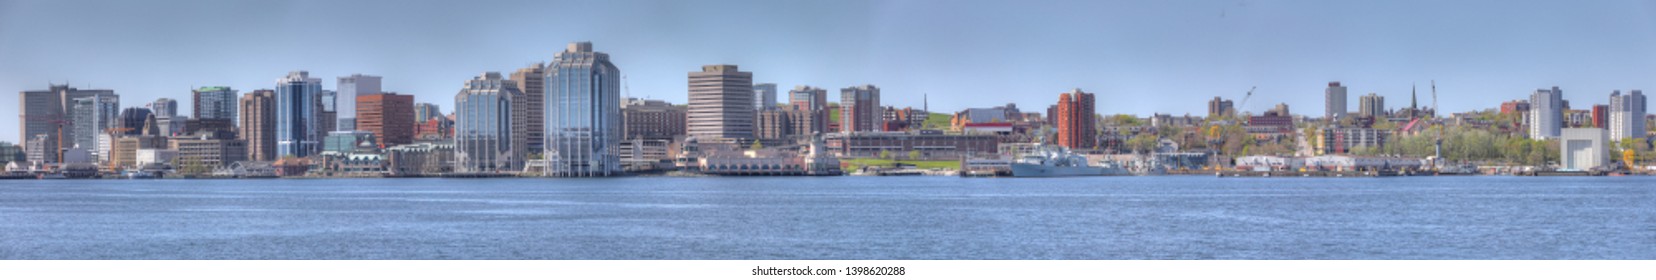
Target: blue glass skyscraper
pixel 583 114
pixel 297 108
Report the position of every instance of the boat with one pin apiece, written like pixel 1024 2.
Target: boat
pixel 1050 161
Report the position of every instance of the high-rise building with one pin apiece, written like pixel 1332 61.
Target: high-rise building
pixel 1077 120
pixel 812 106
pixel 583 114
pixel 860 108
pixel 48 112
pixel 211 103
pixel 426 111
pixel 531 80
pixel 484 139
pixel 298 131
pixel 133 121
pixel 258 124
pixel 721 103
pixel 390 116
pixel 1601 115
pixel 764 96
pixel 1219 107
pixel 1334 102
pixel 93 116
pixel 350 87
pixel 652 119
pixel 327 114
pixel 1627 115
pixel 1371 105
pixel 163 107
pixel 1546 114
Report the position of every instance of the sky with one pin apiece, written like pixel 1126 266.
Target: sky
pixel 1140 57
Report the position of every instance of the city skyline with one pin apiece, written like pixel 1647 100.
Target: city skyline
pixel 1480 53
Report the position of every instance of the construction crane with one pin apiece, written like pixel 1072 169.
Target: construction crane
pixel 1244 103
pixel 1437 150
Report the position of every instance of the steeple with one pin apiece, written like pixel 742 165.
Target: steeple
pixel 1414 101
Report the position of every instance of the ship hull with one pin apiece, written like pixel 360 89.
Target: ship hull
pixel 1034 170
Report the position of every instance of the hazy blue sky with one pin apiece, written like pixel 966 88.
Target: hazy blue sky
pixel 1139 56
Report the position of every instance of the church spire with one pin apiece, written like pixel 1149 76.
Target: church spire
pixel 1414 101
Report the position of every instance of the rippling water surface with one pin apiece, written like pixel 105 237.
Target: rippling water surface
pixel 1193 217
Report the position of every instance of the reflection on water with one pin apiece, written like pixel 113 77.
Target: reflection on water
pixel 832 218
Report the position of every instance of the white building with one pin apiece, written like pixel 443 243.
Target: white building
pixel 1546 114
pixel 1583 148
pixel 1627 115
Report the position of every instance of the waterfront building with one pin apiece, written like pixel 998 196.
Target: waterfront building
pixel 420 159
pixel 639 154
pixel 124 149
pixel 721 104
pixel 258 124
pixel 350 165
pixel 1372 105
pixel 211 103
pixel 1546 114
pixel 208 150
pixel 1627 115
pixel 932 146
pixel 583 114
pixel 764 96
pixel 297 129
pixel 1583 148
pixel 349 142
pixel 484 140
pixel 811 104
pixel 388 115
pixel 93 115
pixel 48 112
pixel 1356 163
pixel 1334 102
pixel 531 80
pixel 1219 107
pixel 1077 121
pixel 350 87
pixel 652 119
pixel 860 109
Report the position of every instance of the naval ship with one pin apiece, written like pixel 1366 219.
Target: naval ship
pixel 1055 161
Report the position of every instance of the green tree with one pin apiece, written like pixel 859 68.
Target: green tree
pixel 756 146
pixel 913 155
pixel 885 154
